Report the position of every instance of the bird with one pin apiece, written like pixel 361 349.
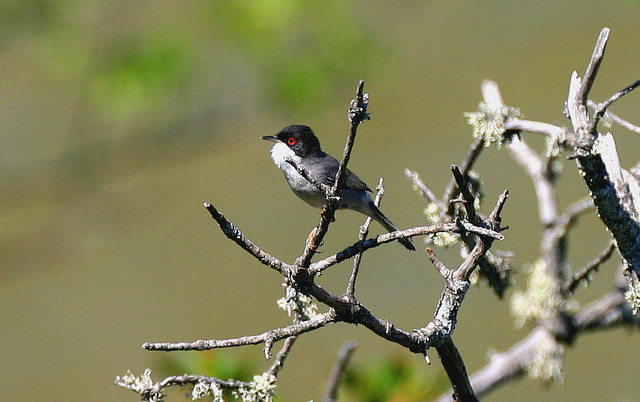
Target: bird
pixel 298 143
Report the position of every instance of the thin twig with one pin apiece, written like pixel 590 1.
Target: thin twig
pixel 442 269
pixel 585 273
pixel 309 177
pixel 468 198
pixel 571 215
pixel 153 392
pixel 616 119
pixel 608 311
pixel 337 372
pixel 233 233
pixel 420 185
pixel 451 227
pixel 282 355
pixel 465 167
pixel 468 265
pixel 602 108
pixel 590 73
pixel 537 127
pixel 364 231
pixel 269 336
pixel 355 312
pixel 357 114
pixel 494 216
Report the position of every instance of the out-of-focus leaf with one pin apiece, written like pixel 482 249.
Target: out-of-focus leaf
pixel 137 73
pixel 398 378
pixel 303 58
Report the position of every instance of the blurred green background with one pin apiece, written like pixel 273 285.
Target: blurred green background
pixel 118 119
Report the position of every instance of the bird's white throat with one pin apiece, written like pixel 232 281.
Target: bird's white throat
pixel 280 153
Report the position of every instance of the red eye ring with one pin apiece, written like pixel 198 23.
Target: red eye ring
pixel 292 141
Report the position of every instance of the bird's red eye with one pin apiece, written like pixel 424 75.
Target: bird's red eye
pixel 292 141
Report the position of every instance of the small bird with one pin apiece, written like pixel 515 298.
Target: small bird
pixel 299 144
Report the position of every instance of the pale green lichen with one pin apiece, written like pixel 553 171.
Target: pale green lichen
pixel 442 239
pixel 262 388
pixel 632 297
pixel 488 123
pixel 555 145
pixel 202 389
pixel 547 364
pixel 301 304
pixel 540 301
pixel 600 146
pixel 432 212
pixel 138 384
pixel 474 278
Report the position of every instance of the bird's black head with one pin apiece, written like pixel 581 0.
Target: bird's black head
pixel 300 139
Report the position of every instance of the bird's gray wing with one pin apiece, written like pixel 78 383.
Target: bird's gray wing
pixel 354 182
pixel 328 175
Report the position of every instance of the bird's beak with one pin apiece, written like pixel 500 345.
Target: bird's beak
pixel 270 138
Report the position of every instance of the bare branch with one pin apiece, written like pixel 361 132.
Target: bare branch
pixel 571 215
pixel 551 247
pixel 469 200
pixel 536 127
pixel 269 336
pixel 355 312
pixel 438 331
pixel 456 371
pixel 582 94
pixel 494 216
pixel 457 283
pixel 357 114
pixel 444 271
pixel 529 160
pixel 608 311
pixel 604 191
pixel 420 185
pixel 585 273
pixel 153 392
pixel 465 167
pixel 364 231
pixel 512 363
pixel 451 227
pixel 337 373
pixel 282 355
pixel 617 119
pixel 233 233
pixel 602 108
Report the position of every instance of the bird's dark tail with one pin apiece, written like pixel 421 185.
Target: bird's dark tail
pixel 384 221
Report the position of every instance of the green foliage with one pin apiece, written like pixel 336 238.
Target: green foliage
pixel 398 378
pixel 137 73
pixel 302 57
pixel 222 364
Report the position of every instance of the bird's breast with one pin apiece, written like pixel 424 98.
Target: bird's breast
pixel 280 153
